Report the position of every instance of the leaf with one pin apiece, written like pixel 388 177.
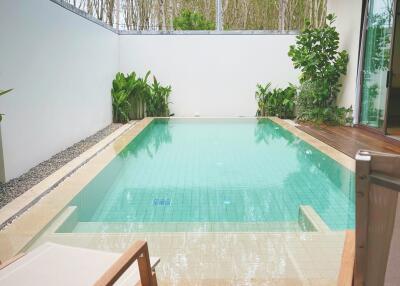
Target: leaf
pixel 2 92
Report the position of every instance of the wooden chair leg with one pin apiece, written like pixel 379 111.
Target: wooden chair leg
pixel 145 268
pixel 138 251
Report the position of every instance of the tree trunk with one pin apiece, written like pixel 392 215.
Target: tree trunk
pixel 282 14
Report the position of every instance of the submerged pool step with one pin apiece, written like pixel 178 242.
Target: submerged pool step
pixel 68 222
pixel 308 221
pixel 116 227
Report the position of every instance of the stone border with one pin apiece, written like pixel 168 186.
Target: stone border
pixel 335 154
pixel 20 204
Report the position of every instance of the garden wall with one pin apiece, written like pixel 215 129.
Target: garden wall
pixel 348 25
pixel 61 67
pixel 211 74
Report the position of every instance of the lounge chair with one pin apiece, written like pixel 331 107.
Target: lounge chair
pixel 55 264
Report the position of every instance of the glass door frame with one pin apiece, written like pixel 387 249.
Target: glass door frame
pixel 396 17
pixel 380 130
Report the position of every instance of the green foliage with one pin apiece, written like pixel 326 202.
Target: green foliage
pixel 317 55
pixel 371 93
pixel 190 21
pixel 157 101
pixel 138 96
pixel 379 37
pixel 307 110
pixel 276 102
pixel 2 92
pixel 120 91
pixel 134 98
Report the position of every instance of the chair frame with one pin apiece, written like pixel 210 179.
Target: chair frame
pixel 138 251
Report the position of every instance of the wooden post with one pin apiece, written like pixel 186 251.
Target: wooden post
pixel 362 198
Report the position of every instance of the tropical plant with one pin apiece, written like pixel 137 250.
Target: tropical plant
pixel 120 106
pixel 120 95
pixel 188 20
pixel 2 92
pixel 276 102
pixel 134 98
pixel 157 102
pixel 317 55
pixel 138 95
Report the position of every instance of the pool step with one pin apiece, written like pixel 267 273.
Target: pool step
pixel 68 222
pixel 116 227
pixel 309 220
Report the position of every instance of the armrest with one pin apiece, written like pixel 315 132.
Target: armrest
pixel 138 251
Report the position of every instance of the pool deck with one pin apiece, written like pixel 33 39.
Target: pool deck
pixel 349 140
pixel 230 258
pixel 187 258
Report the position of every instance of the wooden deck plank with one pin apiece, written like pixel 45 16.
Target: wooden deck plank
pixel 349 140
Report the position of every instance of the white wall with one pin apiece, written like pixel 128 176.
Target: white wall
pixel 61 66
pixel 348 23
pixel 212 75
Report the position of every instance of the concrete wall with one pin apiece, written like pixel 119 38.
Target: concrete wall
pixel 61 67
pixel 211 75
pixel 348 25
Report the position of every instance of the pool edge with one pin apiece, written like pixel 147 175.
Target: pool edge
pixel 333 153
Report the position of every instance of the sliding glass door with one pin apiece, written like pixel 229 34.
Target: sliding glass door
pixel 377 54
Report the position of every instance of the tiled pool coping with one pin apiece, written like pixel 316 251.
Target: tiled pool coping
pixel 69 180
pixel 336 155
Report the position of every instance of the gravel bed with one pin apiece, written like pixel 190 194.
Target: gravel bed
pixel 18 186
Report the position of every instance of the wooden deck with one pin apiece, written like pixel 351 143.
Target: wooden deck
pixel 349 140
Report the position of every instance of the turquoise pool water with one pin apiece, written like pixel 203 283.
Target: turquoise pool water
pixel 199 171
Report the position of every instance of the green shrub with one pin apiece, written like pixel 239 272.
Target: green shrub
pixel 188 20
pixel 316 55
pixel 138 96
pixel 157 101
pixel 276 102
pixel 134 98
pixel 120 95
pixel 307 110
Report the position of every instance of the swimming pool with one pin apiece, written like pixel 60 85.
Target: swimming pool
pixel 214 175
